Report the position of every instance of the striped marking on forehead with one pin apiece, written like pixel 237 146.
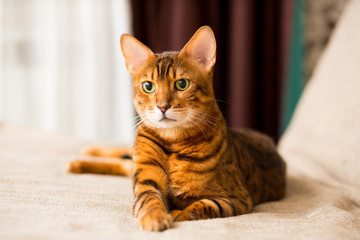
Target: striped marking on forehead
pixel 164 68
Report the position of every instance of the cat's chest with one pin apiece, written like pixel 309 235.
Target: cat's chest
pixel 185 181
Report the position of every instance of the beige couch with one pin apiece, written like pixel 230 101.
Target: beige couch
pixel 39 200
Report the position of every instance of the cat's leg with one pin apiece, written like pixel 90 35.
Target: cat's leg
pixel 150 187
pixel 102 166
pixel 110 152
pixel 213 208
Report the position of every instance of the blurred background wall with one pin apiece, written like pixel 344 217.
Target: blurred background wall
pixel 61 68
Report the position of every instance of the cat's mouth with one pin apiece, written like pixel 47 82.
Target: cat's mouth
pixel 165 119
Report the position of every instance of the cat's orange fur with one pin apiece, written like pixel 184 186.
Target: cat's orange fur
pixel 187 164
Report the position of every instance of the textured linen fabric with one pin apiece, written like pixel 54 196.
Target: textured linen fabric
pixel 40 200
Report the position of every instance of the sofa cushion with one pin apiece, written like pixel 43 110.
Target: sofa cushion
pixel 323 139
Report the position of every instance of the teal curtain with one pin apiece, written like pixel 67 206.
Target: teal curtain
pixel 295 74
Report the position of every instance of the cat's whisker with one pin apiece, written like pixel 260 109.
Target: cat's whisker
pixel 204 114
pixel 218 100
pixel 136 122
pixel 139 126
pixel 188 118
pixel 207 123
pixel 206 118
pixel 136 118
pixel 146 126
pixel 140 119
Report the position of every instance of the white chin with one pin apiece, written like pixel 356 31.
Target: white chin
pixel 167 123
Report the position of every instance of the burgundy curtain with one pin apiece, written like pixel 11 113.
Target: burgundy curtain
pixel 252 41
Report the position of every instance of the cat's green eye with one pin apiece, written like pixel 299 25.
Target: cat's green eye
pixel 148 87
pixel 182 84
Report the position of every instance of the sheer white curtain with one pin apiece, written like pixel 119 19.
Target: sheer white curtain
pixel 61 67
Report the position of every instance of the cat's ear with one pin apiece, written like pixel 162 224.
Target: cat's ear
pixel 135 53
pixel 201 48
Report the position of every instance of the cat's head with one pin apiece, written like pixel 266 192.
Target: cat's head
pixel 172 89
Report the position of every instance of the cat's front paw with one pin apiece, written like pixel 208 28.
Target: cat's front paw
pixel 179 216
pixel 157 220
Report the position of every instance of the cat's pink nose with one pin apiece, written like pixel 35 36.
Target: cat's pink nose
pixel 163 107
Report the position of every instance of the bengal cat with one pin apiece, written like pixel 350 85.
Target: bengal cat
pixel 186 164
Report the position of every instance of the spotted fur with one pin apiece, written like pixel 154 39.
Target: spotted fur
pixel 192 166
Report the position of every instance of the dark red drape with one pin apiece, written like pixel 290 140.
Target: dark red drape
pixel 252 42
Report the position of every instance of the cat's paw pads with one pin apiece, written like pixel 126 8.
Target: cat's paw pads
pixel 179 216
pixel 75 167
pixel 156 221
